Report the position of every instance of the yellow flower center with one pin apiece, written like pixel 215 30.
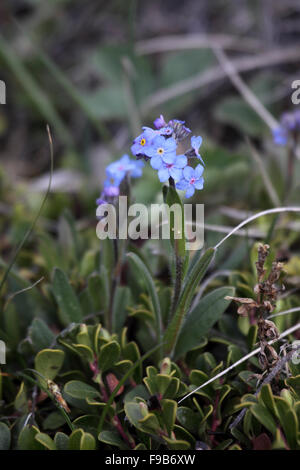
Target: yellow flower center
pixel 160 151
pixel 143 142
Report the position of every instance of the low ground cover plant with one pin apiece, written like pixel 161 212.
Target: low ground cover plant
pixel 133 344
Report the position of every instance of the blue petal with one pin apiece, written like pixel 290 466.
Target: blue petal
pixel 188 172
pixel 149 150
pixel 163 175
pixel 149 134
pixel 180 161
pixel 159 122
pixel 136 170
pixel 125 159
pixel 182 185
pixel 196 142
pixel 199 183
pixel 167 130
pixel 158 141
pixel 170 144
pixel 176 173
pixel 156 162
pixel 138 138
pixel 190 191
pixel 198 171
pixel 169 157
pixel 136 148
pixel 280 136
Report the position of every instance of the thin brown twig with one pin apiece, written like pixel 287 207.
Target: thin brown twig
pixel 216 73
pixel 12 296
pixel 244 90
pixel 195 41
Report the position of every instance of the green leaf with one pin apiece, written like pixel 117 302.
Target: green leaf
pixel 263 415
pixel 50 252
pixel 69 306
pixel 81 390
pixel 201 319
pixel 89 423
pixel 21 402
pixel 188 419
pixel 145 274
pixel 99 291
pixel 48 362
pixel 288 420
pixel 80 440
pixel 83 336
pixel 109 355
pixel 169 408
pixel 120 305
pixel 121 382
pixel 192 281
pixel 112 438
pixel 234 111
pixel 75 439
pixel 138 391
pixel 149 424
pixel 61 441
pixel 26 439
pixel 138 415
pixel 45 440
pixel 87 442
pixel 109 60
pixel 131 352
pixel 84 351
pixel 140 447
pixel 266 397
pixel 180 65
pixel 133 413
pixel 107 102
pixel 176 444
pixel 294 383
pixel 183 434
pixel 107 258
pixel 4 437
pixel 163 385
pixel 54 420
pixel 235 447
pixel 40 335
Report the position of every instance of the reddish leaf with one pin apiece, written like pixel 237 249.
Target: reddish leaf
pixel 112 382
pixel 262 442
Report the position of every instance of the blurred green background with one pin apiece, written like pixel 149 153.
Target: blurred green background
pixel 96 71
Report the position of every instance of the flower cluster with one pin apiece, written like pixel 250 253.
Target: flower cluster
pixel 115 174
pixel 160 146
pixel 289 128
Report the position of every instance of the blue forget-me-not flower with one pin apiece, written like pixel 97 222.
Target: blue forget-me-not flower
pixel 192 179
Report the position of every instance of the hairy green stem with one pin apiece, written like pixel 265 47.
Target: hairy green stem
pixel 177 284
pixel 196 275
